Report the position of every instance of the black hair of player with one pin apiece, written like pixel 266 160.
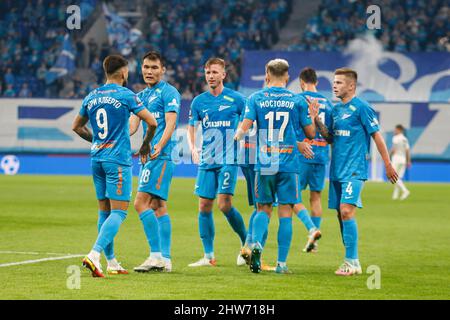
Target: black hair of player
pixel 153 56
pixel 308 75
pixel 113 63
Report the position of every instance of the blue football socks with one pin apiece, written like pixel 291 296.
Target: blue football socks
pixel 284 238
pixel 109 229
pixel 207 232
pixel 151 230
pixel 237 223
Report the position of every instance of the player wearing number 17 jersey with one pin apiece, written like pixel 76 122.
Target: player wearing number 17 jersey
pixel 278 114
pixel 108 109
pixel 353 122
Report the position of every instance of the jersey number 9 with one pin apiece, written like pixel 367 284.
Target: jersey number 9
pixel 102 123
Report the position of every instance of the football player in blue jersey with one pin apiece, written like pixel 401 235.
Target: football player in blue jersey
pixel 279 115
pixel 312 169
pixel 218 110
pixel 108 110
pixel 163 101
pixel 353 123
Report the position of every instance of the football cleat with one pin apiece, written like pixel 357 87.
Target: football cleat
pixel 313 250
pixel 255 259
pixel 282 269
pixel 405 195
pixel 313 236
pixel 204 262
pixel 348 269
pixel 167 266
pixel 115 269
pixel 244 255
pixel 266 267
pixel 151 264
pixel 94 267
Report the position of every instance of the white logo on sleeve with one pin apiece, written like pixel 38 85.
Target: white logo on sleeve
pixel 174 103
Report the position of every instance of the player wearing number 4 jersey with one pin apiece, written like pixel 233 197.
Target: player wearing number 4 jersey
pixel 218 110
pixel 278 114
pixel 353 123
pixel 108 109
pixel 163 101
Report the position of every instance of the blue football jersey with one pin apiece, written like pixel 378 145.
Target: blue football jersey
pixel 108 109
pixel 247 148
pixel 279 115
pixel 320 147
pixel 160 99
pixel 219 117
pixel 352 125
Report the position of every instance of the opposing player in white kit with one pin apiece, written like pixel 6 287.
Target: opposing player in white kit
pixel 401 158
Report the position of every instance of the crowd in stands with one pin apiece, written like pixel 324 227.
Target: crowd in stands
pixel 189 32
pixel 406 25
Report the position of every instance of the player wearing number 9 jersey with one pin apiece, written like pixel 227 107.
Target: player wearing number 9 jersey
pixel 108 110
pixel 279 114
pixel 353 123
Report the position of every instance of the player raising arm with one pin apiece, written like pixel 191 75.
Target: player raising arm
pixel 353 123
pixel 108 109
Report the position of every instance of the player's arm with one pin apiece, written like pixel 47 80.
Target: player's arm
pixel 382 149
pixel 245 125
pixel 145 148
pixel 323 130
pixel 79 127
pixel 171 122
pixel 192 131
pixel 134 124
pixel 305 149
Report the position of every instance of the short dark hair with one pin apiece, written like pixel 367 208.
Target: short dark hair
pixel 308 75
pixel 113 63
pixel 215 60
pixel 400 127
pixel 154 55
pixel 350 73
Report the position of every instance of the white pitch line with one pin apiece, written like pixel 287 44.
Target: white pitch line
pixel 41 260
pixel 33 253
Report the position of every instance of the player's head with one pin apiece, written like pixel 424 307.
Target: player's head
pixel 344 83
pixel 215 72
pixel 308 77
pixel 277 70
pixel 116 68
pixel 153 68
pixel 399 129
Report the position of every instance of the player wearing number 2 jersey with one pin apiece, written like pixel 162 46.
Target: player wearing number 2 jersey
pixel 108 109
pixel 353 123
pixel 218 110
pixel 278 114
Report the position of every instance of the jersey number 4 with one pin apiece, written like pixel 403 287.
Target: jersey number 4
pixel 271 116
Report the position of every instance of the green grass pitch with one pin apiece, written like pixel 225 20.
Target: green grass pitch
pixel 409 241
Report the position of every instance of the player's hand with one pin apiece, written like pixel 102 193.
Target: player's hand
pixel 143 152
pixel 156 152
pixel 313 107
pixel 195 155
pixel 306 150
pixel 391 174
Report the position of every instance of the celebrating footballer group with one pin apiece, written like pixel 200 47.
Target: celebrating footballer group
pixel 279 139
